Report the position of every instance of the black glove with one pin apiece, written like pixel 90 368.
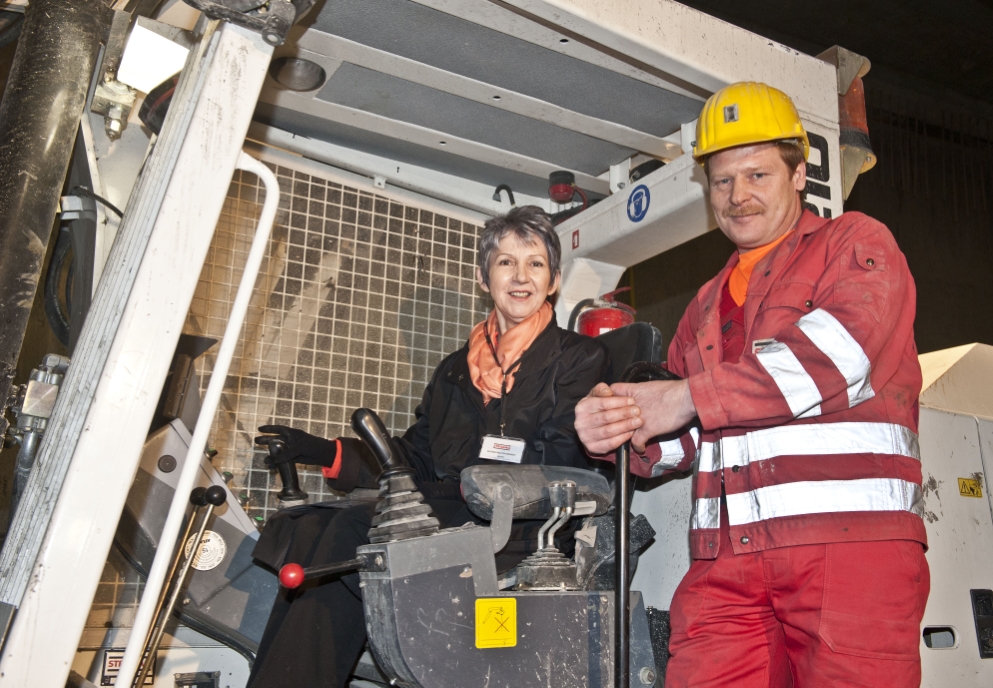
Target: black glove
pixel 301 447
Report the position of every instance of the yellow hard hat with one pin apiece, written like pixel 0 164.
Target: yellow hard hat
pixel 744 113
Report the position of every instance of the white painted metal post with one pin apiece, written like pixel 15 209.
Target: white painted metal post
pixel 55 553
pixel 191 468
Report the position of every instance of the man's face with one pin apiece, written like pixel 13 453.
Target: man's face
pixel 754 196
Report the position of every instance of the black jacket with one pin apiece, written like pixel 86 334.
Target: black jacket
pixel 557 370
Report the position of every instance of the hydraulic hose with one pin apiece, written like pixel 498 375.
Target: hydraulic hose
pixel 39 115
pixel 58 319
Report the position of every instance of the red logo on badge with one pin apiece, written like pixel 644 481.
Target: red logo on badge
pixel 575 238
pixel 505 447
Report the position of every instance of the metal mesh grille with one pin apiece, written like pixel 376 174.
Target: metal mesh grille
pixel 358 300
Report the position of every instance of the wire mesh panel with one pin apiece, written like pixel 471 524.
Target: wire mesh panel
pixel 358 300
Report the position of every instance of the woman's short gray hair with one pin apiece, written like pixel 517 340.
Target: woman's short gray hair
pixel 527 223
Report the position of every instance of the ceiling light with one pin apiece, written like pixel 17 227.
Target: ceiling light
pixel 296 74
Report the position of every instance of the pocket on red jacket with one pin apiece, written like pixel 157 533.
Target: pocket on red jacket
pixel 874 598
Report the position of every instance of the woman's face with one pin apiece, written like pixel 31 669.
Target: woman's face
pixel 520 280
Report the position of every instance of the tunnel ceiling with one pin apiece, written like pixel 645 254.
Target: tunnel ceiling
pixel 947 43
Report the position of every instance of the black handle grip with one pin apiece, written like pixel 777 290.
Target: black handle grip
pixel 288 476
pixel 368 426
pixel 198 496
pixel 640 371
pixel 644 371
pixel 215 495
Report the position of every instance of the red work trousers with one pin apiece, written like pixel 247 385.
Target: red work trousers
pixel 811 616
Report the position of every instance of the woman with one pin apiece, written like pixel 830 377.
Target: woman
pixel 518 376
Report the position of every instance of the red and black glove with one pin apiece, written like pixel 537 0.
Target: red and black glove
pixel 344 461
pixel 301 447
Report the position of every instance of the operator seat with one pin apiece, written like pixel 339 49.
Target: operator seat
pixel 632 343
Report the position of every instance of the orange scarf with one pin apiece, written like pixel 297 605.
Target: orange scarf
pixel 742 272
pixel 486 374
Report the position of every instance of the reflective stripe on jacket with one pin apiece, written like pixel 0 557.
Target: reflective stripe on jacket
pixel 813 432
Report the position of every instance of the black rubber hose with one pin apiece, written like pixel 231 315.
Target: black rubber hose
pixel 83 191
pixel 58 319
pixel 574 316
pixel 510 194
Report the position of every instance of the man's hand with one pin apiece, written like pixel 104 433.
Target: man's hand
pixel 665 406
pixel 605 421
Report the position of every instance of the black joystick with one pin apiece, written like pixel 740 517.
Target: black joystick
pixel 291 494
pixel 400 512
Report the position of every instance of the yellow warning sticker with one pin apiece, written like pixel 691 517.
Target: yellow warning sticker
pixel 970 487
pixel 496 622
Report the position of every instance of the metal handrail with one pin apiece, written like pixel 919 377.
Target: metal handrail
pixel 187 478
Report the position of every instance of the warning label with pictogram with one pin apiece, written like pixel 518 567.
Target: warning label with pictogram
pixel 496 622
pixel 970 487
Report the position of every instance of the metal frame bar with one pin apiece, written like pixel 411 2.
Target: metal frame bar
pixel 312 44
pixel 508 19
pixel 422 136
pixel 411 183
pixel 99 425
pixel 692 48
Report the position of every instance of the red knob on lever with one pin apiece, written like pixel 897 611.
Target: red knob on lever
pixel 291 576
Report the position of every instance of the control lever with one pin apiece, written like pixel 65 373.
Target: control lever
pixel 291 494
pixel 211 497
pixel 548 568
pixel 370 429
pixel 641 371
pixel 292 576
pixel 400 512
pixel 563 497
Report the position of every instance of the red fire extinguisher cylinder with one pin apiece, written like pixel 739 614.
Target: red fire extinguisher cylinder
pixel 597 321
pixel 606 314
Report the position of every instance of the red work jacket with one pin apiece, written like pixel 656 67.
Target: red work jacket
pixel 813 431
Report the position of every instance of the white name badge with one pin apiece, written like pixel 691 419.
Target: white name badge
pixel 502 449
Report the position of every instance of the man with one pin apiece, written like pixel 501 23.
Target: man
pixel 800 365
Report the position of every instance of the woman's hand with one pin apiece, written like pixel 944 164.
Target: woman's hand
pixel 301 447
pixel 605 421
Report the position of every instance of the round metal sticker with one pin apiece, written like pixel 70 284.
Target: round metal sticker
pixel 638 203
pixel 212 551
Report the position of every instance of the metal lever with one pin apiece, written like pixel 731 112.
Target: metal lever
pixel 292 576
pixel 641 371
pixel 564 499
pixel 213 496
pixel 291 494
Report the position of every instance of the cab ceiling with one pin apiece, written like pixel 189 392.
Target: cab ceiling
pixel 548 110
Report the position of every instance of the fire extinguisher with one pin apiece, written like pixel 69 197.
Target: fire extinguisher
pixel 597 316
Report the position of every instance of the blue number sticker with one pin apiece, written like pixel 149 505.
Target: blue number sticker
pixel 638 203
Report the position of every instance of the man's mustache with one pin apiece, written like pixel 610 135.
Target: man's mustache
pixel 742 210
